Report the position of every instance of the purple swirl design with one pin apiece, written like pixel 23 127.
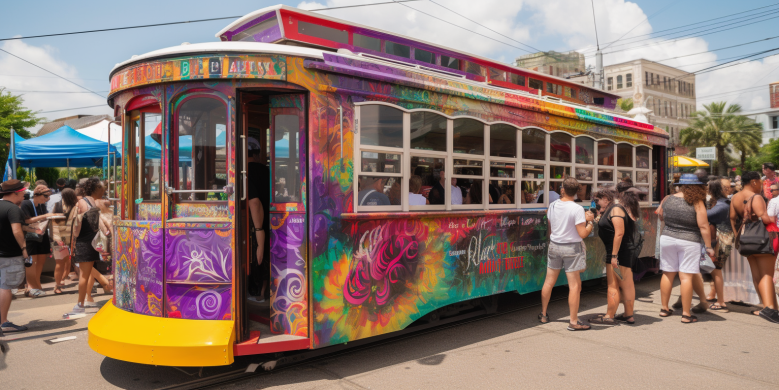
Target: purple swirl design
pixel 386 259
pixel 199 302
pixel 198 256
pixel 288 269
pixel 148 288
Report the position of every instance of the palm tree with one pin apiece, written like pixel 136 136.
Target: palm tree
pixel 625 104
pixel 746 138
pixel 719 126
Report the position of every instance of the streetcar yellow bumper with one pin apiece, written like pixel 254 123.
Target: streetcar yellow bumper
pixel 161 341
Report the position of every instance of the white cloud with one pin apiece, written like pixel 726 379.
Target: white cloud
pixel 46 57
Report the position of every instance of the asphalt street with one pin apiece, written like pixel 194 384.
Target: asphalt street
pixel 512 350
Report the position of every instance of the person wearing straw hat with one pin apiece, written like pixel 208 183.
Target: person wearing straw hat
pixel 13 249
pixel 686 225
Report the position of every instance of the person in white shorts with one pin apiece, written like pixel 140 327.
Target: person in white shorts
pixel 569 225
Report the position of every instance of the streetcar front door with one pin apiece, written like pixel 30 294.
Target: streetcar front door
pixel 276 291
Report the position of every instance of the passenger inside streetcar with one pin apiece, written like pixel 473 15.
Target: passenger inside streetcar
pixel 259 191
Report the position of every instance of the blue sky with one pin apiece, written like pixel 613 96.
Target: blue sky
pixel 545 24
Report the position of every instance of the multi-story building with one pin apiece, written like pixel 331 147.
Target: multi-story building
pixel 768 117
pixel 667 91
pixel 552 62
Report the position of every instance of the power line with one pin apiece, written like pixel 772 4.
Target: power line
pixel 722 48
pixel 461 27
pixel 184 22
pixel 595 22
pixel 17 91
pixel 642 22
pixel 45 77
pixel 74 108
pixel 464 17
pixel 48 71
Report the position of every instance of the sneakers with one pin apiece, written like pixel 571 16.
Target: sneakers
pixel 78 311
pixel 90 305
pixel 10 327
pixel 767 313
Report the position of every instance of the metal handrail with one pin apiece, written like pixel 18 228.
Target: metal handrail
pixel 226 190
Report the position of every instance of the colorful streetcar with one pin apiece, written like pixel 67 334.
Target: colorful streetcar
pixel 337 108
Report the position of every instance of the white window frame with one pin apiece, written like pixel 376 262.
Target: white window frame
pixel 523 162
pixel 484 170
pixel 593 167
pixel 514 161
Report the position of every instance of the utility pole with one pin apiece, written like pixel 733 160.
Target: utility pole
pixel 598 76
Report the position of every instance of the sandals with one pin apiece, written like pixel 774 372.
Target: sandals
pixel 690 319
pixel 666 313
pixel 58 290
pixel 35 293
pixel 603 321
pixel 626 319
pixel 719 308
pixel 578 326
pixel 544 319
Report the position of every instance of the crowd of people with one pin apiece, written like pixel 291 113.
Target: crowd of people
pixel 71 222
pixel 704 220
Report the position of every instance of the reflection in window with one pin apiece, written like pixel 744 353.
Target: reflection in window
pixel 557 172
pixel 606 175
pixel 644 195
pixel 449 62
pixel 251 33
pixel 317 31
pixel 642 157
pixel 585 150
pixel 366 42
pixel 505 191
pixel 605 153
pixel 201 147
pixel 381 126
pixel 516 79
pixel 397 49
pixel 585 193
pixel 584 174
pixel 503 141
pixel 497 74
pixel 152 160
pixel 424 56
pixel 642 177
pixel 429 169
pixel 625 175
pixel 472 191
pixel 532 184
pixel 624 155
pixel 468 167
pixel 473 68
pixel 380 162
pixel 535 84
pixel 286 158
pixel 502 169
pixel 428 131
pixel 468 136
pixel 561 147
pixel 533 144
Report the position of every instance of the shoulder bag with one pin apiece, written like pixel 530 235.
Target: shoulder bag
pixel 40 228
pixel 753 237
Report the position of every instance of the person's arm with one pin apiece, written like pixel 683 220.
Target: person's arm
pixel 733 215
pixel 258 218
pixel 585 228
pixel 618 220
pixel 703 225
pixel 19 236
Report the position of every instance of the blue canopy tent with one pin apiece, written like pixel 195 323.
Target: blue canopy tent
pixel 63 147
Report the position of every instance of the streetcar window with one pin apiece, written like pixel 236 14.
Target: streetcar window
pixel 502 169
pixel 201 147
pixel 366 42
pixel 473 68
pixel 642 177
pixel 429 169
pixel 584 174
pixel 625 175
pixel 152 159
pixel 516 79
pixel 428 131
pixel 585 150
pixel 286 158
pixel 554 88
pixel 380 162
pixel 397 49
pixel 569 92
pixel 424 56
pixel 560 144
pixel 497 74
pixel 642 157
pixel 381 126
pixel 503 141
pixel 533 144
pixel 317 31
pixel 559 172
pixel 468 136
pixel 624 155
pixel 532 184
pixel 606 153
pixel 467 167
pixel 449 62
pixel 535 84
pixel 251 34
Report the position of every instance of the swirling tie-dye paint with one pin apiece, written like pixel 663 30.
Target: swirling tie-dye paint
pixel 148 288
pixel 289 311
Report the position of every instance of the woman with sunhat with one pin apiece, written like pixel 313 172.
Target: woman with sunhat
pixel 686 225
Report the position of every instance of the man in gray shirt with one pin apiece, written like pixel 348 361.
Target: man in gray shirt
pixel 372 193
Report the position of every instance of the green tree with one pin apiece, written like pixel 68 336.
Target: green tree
pixel 13 115
pixel 718 126
pixel 625 104
pixel 746 138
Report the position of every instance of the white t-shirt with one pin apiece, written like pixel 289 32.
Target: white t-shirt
pixel 416 200
pixel 457 195
pixel 563 218
pixel 773 208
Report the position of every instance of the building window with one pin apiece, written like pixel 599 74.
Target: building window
pixel 629 80
pixel 609 83
pixel 775 122
pixel 646 78
pixel 619 82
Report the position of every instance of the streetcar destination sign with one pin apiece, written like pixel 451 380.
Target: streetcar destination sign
pixel 709 153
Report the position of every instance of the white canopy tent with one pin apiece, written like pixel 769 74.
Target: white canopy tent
pixel 99 131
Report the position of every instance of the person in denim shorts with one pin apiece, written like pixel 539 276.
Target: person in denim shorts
pixel 568 224
pixel 12 249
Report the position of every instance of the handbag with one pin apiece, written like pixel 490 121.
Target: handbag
pixel 753 237
pixel 38 226
pixel 706 263
pixel 101 243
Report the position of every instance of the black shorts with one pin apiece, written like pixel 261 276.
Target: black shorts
pixel 623 259
pixel 39 248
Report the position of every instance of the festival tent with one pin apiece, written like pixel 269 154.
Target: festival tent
pixel 99 131
pixel 63 147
